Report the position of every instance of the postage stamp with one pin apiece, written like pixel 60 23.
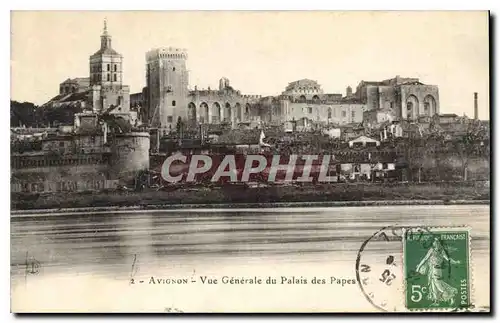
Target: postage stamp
pixel 437 268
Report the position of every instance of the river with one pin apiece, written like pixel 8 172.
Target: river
pixel 86 262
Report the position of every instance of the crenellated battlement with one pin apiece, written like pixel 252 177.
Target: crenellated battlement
pixel 216 94
pixel 166 52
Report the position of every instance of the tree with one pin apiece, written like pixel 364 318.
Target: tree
pixel 180 127
pixel 22 114
pixel 469 145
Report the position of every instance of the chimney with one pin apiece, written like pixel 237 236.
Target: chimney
pixel 476 116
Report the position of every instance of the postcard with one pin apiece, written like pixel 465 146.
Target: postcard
pixel 250 162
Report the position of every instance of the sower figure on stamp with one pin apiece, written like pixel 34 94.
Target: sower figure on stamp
pixel 432 266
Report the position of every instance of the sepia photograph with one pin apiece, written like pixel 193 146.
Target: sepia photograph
pixel 250 162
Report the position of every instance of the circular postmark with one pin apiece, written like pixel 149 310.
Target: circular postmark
pixel 380 266
pixel 379 270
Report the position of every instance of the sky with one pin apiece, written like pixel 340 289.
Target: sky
pixel 261 52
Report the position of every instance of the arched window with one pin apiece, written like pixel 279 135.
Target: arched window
pixel 173 103
pixel 173 69
pixel 108 67
pixel 107 77
pixel 114 77
pixel 116 68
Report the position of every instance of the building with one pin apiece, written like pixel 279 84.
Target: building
pixel 408 98
pixel 303 102
pixel 304 90
pixel 374 118
pixel 76 85
pixel 101 149
pixel 98 152
pixel 136 100
pixel 103 90
pixel 167 81
pixel 224 105
pixel 321 113
pixel 106 75
pixel 308 91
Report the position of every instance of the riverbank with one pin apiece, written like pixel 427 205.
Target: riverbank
pixel 125 209
pixel 359 194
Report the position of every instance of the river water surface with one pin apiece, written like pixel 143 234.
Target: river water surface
pixel 86 262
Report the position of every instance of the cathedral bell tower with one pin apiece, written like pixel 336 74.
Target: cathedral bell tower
pixel 106 64
pixel 106 76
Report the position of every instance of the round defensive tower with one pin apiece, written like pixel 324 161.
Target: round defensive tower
pixel 130 155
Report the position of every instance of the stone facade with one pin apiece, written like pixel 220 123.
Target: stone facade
pixel 137 99
pixel 103 98
pixel 166 99
pixel 105 70
pixel 130 154
pixel 309 91
pixel 167 81
pixel 103 89
pixel 76 85
pixel 79 159
pixel 334 113
pixel 394 99
pixel 75 144
pixel 225 105
pixel 418 100
pixel 408 98
pixel 374 118
pixel 304 89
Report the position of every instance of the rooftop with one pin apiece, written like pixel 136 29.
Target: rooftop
pixel 106 51
pixel 241 137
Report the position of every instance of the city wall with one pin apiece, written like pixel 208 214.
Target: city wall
pixel 54 170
